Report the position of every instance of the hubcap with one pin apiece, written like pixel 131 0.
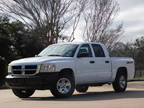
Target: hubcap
pixel 63 85
pixel 23 91
pixel 122 82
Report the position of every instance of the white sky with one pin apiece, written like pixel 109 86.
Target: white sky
pixel 132 15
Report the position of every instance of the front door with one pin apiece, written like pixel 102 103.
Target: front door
pixel 85 65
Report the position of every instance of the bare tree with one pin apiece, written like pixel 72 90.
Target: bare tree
pixel 49 17
pixel 98 18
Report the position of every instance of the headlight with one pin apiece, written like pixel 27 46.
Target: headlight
pixel 47 68
pixel 9 69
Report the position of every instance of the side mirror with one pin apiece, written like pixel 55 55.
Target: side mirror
pixel 83 55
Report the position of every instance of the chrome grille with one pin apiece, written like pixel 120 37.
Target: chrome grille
pixel 27 69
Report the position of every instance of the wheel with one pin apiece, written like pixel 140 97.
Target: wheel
pixel 64 87
pixel 82 89
pixel 23 93
pixel 120 83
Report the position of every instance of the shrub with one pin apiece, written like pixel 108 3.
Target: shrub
pixel 3 70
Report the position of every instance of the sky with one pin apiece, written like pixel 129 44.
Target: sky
pixel 131 14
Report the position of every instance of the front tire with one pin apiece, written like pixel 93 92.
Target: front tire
pixel 23 93
pixel 64 87
pixel 120 83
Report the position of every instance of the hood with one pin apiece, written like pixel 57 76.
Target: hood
pixel 37 60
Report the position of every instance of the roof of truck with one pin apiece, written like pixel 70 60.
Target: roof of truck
pixel 79 43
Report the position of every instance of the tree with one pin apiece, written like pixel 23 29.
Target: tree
pixel 24 42
pixel 49 17
pixel 99 16
pixel 4 37
pixel 123 50
pixel 3 70
pixel 139 59
pixel 16 41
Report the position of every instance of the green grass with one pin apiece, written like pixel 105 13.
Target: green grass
pixel 139 78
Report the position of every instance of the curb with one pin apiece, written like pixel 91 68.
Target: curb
pixel 136 80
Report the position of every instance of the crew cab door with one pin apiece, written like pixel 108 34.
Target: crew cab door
pixel 102 64
pixel 84 65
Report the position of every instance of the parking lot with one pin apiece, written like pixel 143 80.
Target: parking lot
pixel 96 97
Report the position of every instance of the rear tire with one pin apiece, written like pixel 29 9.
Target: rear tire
pixel 64 87
pixel 120 83
pixel 23 93
pixel 82 89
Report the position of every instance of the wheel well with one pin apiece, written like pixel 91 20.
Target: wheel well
pixel 66 71
pixel 122 70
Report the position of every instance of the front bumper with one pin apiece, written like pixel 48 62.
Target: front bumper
pixel 38 81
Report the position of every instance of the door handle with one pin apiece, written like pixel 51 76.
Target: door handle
pixel 107 61
pixel 91 62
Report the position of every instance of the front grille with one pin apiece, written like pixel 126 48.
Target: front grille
pixel 17 69
pixel 27 69
pixel 30 69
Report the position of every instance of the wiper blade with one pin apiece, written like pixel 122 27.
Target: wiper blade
pixel 54 55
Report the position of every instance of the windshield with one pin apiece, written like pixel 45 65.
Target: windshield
pixel 64 50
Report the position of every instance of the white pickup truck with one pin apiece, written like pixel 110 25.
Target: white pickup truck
pixel 64 67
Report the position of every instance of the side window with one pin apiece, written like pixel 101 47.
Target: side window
pixel 98 50
pixel 85 49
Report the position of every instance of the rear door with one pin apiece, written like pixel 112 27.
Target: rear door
pixel 102 64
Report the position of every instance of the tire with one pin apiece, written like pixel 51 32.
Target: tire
pixel 120 83
pixel 82 89
pixel 23 93
pixel 64 87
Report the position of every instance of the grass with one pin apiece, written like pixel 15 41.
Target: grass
pixel 139 78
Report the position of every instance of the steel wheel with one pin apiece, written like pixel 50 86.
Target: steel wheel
pixel 63 85
pixel 122 82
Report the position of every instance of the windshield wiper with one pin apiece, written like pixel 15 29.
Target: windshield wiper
pixel 55 55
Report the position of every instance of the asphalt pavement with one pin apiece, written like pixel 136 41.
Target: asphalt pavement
pixel 96 97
